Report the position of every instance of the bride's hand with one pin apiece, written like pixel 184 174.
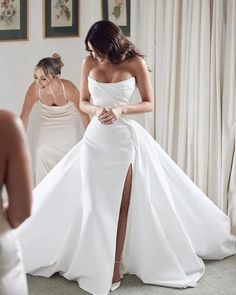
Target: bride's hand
pixel 111 115
pixel 100 111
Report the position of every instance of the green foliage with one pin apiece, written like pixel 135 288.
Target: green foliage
pixel 67 13
pixel 117 11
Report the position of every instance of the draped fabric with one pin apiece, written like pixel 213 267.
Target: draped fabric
pixel 48 128
pixel 192 52
pixel 143 35
pixel 228 111
pixel 177 223
pixel 12 273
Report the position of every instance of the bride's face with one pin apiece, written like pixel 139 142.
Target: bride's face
pixel 42 81
pixel 101 58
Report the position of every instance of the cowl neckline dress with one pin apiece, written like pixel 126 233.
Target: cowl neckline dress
pixel 52 132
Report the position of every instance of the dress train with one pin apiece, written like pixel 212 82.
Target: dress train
pixel 171 224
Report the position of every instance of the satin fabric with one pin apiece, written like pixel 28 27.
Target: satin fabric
pixel 171 223
pixel 53 131
pixel 12 273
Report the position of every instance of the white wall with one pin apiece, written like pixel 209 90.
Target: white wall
pixel 17 59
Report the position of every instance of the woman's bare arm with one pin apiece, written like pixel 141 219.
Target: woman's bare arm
pixel 30 98
pixel 139 70
pixel 74 95
pixel 85 104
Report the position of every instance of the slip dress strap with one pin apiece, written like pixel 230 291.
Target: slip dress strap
pixel 63 90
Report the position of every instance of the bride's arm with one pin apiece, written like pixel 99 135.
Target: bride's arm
pixel 85 104
pixel 139 70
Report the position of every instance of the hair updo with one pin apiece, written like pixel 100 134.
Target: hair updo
pixel 51 65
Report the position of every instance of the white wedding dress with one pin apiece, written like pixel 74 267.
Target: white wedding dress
pixel 171 223
pixel 52 132
pixel 12 273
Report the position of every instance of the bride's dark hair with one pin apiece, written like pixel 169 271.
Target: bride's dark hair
pixel 108 41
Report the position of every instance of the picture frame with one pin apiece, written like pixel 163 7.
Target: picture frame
pixel 117 11
pixel 61 18
pixel 13 20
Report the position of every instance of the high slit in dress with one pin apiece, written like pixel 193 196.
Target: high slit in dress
pixel 171 224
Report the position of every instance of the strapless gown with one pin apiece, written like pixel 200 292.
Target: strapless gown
pixel 52 132
pixel 171 226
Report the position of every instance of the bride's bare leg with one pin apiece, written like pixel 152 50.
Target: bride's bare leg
pixel 121 230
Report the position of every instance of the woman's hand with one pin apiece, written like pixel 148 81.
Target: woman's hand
pixel 99 111
pixel 110 115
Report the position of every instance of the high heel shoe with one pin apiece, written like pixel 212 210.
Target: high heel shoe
pixel 115 286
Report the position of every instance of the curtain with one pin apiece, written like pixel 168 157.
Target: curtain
pixel 143 35
pixel 227 196
pixel 194 62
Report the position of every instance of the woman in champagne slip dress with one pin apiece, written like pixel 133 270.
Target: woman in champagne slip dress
pixel 53 105
pixel 117 203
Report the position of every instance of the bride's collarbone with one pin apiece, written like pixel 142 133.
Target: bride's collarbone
pixel 110 76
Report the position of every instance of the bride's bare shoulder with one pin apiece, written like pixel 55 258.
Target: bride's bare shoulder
pixel 89 62
pixel 136 62
pixel 135 65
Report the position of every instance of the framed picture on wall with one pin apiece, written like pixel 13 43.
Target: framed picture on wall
pixel 13 20
pixel 61 18
pixel 117 11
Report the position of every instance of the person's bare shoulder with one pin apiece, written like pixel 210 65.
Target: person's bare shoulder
pixel 6 115
pixel 12 129
pixel 7 120
pixel 72 92
pixel 68 84
pixel 136 62
pixel 88 63
pixel 89 60
pixel 32 92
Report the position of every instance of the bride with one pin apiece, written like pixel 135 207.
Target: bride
pixel 117 203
